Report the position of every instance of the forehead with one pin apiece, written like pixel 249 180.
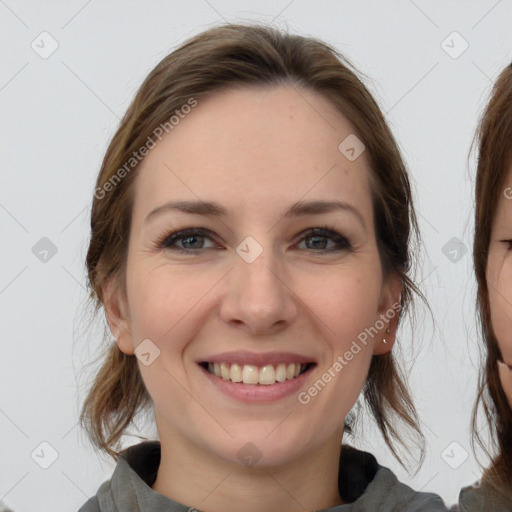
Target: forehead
pixel 252 147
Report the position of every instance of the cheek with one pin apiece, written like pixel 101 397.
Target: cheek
pixel 166 307
pixel 344 308
pixel 500 300
pixel 164 304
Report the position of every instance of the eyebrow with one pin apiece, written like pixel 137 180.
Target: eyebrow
pixel 213 209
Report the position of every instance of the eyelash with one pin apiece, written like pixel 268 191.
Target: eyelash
pixel 508 242
pixel 168 239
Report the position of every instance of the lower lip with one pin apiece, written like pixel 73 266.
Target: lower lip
pixel 258 392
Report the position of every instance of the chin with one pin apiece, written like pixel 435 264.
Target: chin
pixel 266 448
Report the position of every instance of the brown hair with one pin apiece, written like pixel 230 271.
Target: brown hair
pixel 258 56
pixel 494 157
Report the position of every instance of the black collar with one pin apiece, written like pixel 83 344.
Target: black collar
pixel 356 469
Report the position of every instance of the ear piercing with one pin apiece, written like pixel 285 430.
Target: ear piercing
pixel 384 340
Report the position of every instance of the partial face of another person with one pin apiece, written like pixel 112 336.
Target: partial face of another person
pixel 499 282
pixel 252 284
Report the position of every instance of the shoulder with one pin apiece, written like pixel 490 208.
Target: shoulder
pixel 136 468
pixel 379 488
pixel 483 496
pixel 391 494
pixel 103 501
pixel 91 505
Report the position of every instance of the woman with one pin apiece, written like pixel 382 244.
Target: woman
pixel 250 246
pixel 493 266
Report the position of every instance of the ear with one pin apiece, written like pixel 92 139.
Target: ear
pixel 505 374
pixel 116 311
pixel 389 312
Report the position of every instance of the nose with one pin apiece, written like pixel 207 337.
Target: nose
pixel 258 297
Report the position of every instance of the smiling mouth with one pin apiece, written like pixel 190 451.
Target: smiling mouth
pixel 249 374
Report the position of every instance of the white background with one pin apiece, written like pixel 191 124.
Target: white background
pixel 58 115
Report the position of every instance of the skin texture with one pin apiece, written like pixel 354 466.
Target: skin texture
pixel 499 277
pixel 256 152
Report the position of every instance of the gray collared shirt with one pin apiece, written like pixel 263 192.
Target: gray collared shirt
pixel 371 487
pixel 484 496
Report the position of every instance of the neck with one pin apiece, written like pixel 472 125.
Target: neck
pixel 205 481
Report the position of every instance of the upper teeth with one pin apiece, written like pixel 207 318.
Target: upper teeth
pixel 249 374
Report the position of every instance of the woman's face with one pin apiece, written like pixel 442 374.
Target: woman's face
pixel 253 286
pixel 499 283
